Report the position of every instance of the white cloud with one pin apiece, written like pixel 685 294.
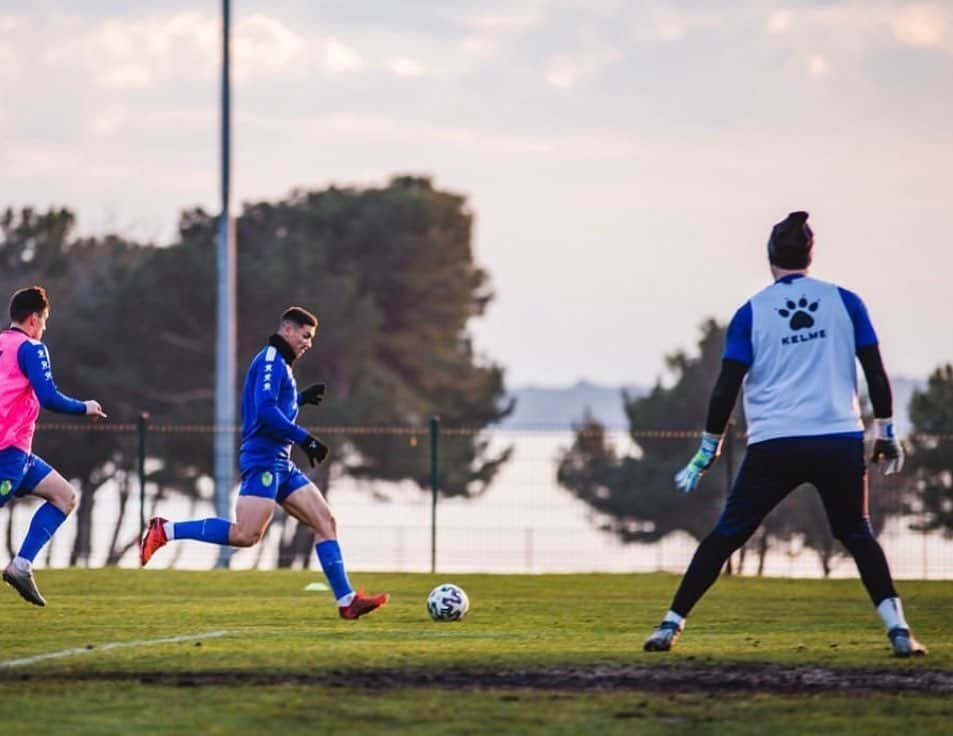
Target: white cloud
pixel 670 30
pixel 128 76
pixel 816 66
pixel 130 53
pixel 924 25
pixel 109 120
pixel 666 25
pixel 487 31
pixel 404 66
pixel 844 18
pixel 479 46
pixel 670 23
pixel 927 26
pixel 10 23
pixel 567 70
pixel 143 51
pixel 265 45
pixel 596 8
pixel 780 21
pixel 509 20
pixel 7 61
pixel 340 56
pixel 562 73
pixel 9 66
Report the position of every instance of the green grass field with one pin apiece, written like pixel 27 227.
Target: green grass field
pixel 554 654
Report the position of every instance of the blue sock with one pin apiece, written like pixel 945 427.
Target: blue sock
pixel 329 554
pixel 46 521
pixel 204 530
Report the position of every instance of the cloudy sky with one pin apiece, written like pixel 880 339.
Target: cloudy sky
pixel 625 160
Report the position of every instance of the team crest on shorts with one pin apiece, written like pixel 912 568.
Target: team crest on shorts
pixel 266 478
pixel 5 488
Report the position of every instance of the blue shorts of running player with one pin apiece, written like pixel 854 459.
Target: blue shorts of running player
pixel 276 481
pixel 20 473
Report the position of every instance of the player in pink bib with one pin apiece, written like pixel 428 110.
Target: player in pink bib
pixel 26 385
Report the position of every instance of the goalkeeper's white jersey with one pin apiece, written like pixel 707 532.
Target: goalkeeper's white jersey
pixel 799 338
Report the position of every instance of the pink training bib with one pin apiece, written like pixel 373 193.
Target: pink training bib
pixel 19 406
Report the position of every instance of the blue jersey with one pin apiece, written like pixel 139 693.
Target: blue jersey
pixel 34 360
pixel 269 407
pixel 799 338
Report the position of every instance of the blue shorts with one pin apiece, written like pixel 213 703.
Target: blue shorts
pixel 276 482
pixel 20 473
pixel 833 464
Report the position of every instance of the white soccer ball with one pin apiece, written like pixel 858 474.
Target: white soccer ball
pixel 447 602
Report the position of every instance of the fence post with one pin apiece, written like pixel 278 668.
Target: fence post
pixel 434 438
pixel 141 426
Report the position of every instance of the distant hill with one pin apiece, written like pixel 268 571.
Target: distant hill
pixel 560 408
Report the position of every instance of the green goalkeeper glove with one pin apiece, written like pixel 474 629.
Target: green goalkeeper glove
pixel 686 480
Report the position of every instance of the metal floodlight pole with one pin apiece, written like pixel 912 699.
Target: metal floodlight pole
pixel 225 341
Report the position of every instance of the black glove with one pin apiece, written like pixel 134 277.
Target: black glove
pixel 313 394
pixel 315 449
pixel 888 452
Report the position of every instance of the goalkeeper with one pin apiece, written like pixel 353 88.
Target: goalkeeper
pixel 270 402
pixel 794 345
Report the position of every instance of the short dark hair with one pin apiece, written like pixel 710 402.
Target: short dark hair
pixel 32 300
pixel 791 242
pixel 300 316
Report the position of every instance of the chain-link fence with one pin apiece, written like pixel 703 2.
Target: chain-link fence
pixel 522 520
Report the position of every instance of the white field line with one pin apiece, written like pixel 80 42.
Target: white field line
pixel 112 645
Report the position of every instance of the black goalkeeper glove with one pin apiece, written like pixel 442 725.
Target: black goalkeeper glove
pixel 315 449
pixel 888 452
pixel 313 394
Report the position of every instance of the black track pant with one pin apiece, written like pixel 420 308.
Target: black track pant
pixel 835 466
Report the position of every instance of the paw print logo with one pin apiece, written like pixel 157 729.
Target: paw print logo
pixel 799 312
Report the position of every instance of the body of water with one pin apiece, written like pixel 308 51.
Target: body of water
pixel 523 523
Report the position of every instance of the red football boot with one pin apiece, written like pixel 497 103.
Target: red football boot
pixel 153 539
pixel 362 604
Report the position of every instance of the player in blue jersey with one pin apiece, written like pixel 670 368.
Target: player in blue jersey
pixel 270 402
pixel 26 385
pixel 794 345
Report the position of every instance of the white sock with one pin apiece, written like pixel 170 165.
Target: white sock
pixel 22 564
pixel 169 529
pixel 891 613
pixel 675 619
pixel 345 600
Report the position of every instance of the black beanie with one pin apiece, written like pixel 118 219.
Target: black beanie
pixel 791 242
